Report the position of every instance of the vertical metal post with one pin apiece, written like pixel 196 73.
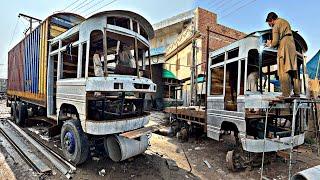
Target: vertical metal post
pixel 176 96
pixel 264 142
pixel 131 24
pixel 269 78
pixel 260 71
pixel 193 67
pixel 192 73
pixel 30 22
pixel 149 59
pixel 207 68
pixel 294 112
pixel 169 92
pixel 136 55
pixel 105 53
pixel 60 62
pixel 303 76
pixel 50 80
pixel 87 58
pixel 79 64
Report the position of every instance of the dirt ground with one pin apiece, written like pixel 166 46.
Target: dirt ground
pixel 189 158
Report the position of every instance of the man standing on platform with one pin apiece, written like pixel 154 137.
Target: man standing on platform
pixel 282 38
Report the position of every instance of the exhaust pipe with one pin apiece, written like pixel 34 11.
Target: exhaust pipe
pixel 121 148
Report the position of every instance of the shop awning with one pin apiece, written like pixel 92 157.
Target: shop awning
pixel 168 74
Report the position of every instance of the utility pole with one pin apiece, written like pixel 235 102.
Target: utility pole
pixel 31 20
pixel 193 78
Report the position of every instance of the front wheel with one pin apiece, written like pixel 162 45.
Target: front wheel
pixel 74 142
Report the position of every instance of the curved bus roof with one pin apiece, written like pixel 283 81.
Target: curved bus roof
pixel 254 40
pixel 268 32
pixel 147 27
pixel 123 13
pixel 67 17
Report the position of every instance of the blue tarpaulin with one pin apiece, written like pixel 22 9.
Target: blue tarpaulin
pixel 312 66
pixel 275 82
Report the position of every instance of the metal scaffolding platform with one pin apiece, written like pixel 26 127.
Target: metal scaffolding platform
pixel 300 107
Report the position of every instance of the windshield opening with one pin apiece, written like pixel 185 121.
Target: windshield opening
pixel 124 55
pixel 269 79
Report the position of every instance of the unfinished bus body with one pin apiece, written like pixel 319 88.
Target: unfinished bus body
pixel 94 81
pixel 243 91
pixel 243 96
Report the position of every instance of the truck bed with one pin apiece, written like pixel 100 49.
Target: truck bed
pixel 193 114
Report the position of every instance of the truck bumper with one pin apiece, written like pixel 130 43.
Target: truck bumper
pixel 271 145
pixel 113 126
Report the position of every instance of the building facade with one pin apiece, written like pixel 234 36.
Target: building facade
pixel 180 43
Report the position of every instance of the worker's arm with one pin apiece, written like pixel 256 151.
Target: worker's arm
pixel 275 36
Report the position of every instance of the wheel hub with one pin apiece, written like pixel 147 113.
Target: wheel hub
pixel 69 142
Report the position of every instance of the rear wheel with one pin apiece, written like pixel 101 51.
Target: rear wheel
pixel 13 111
pixel 21 114
pixel 74 142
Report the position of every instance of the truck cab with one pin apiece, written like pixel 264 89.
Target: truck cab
pixel 90 76
pixel 89 79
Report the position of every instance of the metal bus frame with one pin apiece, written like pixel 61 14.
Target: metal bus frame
pixel 220 119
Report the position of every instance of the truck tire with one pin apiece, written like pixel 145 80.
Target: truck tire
pixel 74 142
pixel 21 114
pixel 13 111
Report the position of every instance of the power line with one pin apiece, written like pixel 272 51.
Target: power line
pixel 85 4
pixel 101 7
pixel 74 2
pixel 91 6
pixel 222 5
pixel 233 5
pixel 14 32
pixel 244 5
pixel 80 4
pixel 207 2
pixel 215 4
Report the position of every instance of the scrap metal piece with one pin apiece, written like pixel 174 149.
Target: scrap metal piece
pixel 23 150
pixel 308 174
pixel 62 167
pixel 172 165
pixel 208 164
pixel 229 160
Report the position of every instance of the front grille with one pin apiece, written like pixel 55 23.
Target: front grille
pixel 141 86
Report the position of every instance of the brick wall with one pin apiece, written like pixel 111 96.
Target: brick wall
pixel 220 37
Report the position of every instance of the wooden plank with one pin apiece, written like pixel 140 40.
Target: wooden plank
pixel 142 131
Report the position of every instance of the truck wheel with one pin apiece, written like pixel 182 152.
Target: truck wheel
pixel 74 142
pixel 13 111
pixel 21 114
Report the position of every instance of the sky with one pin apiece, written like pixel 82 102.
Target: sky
pixel 153 10
pixel 244 15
